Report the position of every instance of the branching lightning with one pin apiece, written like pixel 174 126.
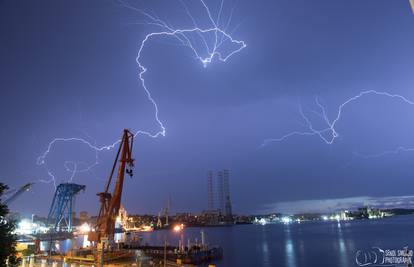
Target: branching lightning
pixel 329 134
pixel 212 49
pixel 395 151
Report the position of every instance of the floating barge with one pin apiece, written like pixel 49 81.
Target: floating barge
pixel 194 254
pixel 89 256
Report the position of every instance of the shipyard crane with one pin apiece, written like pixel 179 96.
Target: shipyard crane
pixel 61 210
pixel 111 202
pixel 15 193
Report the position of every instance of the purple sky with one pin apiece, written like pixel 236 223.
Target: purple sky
pixel 68 69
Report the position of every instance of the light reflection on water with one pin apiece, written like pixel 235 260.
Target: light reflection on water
pixel 265 249
pixel 290 250
pixel 322 244
pixel 342 247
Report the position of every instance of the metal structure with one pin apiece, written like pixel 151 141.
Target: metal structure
pixel 224 194
pixel 61 210
pixel 167 210
pixel 210 190
pixel 110 203
pixel 227 202
pixel 14 193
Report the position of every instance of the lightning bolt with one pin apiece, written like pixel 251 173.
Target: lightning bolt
pixel 212 49
pixel 328 134
pixel 395 151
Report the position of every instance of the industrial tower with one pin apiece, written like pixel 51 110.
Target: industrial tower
pixel 210 191
pixel 219 193
pixel 61 210
pixel 224 194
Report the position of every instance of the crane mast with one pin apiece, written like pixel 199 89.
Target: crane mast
pixel 110 203
pixel 17 192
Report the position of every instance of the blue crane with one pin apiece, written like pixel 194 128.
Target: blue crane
pixel 60 213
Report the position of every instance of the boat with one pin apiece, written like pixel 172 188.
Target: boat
pixel 195 254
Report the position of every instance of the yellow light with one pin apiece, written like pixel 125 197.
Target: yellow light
pixel 85 228
pixel 178 227
pixel 147 228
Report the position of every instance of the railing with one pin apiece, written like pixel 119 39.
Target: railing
pixel 32 261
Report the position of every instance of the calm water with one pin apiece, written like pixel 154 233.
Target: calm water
pixel 298 244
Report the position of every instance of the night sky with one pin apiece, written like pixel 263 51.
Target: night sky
pixel 68 69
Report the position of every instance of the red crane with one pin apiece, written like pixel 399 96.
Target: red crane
pixel 110 203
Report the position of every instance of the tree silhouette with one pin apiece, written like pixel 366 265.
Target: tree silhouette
pixel 7 238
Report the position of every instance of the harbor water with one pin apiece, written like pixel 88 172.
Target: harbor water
pixel 319 243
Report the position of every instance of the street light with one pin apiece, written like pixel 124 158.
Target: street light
pixel 179 229
pixel 165 250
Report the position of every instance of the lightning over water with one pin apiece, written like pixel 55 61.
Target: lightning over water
pixel 217 44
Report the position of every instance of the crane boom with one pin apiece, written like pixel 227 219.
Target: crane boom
pixel 110 203
pixel 18 192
